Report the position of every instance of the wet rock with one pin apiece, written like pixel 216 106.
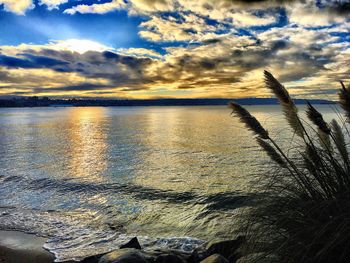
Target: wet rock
pixel 215 258
pixel 133 243
pixel 228 248
pixel 171 258
pixel 125 255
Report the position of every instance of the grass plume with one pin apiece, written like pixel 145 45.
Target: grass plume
pixel 250 121
pixel 344 100
pixel 316 118
pixel 271 152
pixel 289 108
pixel 339 141
pixel 305 216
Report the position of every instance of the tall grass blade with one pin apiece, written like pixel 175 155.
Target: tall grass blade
pixel 325 140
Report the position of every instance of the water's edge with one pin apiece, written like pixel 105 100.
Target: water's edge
pixel 65 243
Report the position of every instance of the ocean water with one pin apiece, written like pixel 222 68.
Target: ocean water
pixel 91 178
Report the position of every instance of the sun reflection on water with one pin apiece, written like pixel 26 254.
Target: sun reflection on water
pixel 87 143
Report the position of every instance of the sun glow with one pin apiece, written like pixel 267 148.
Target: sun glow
pixel 80 45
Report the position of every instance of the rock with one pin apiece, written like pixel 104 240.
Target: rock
pixel 234 257
pixel 125 255
pixel 92 259
pixel 154 254
pixel 133 243
pixel 197 256
pixel 169 259
pixel 227 248
pixel 215 258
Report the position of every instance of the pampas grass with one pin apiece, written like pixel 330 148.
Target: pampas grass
pixel 271 152
pixel 250 121
pixel 344 100
pixel 289 108
pixel 305 216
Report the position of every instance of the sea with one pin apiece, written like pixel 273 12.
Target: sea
pixel 91 178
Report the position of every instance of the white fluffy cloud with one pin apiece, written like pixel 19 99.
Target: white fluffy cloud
pixel 52 4
pixel 309 15
pixel 139 52
pixel 17 6
pixel 96 8
pixel 186 27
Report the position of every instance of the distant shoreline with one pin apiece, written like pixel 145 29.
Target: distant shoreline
pixel 47 102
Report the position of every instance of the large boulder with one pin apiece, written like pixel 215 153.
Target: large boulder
pixel 197 256
pixel 229 248
pixel 215 258
pixel 125 255
pixel 166 254
pixel 133 243
pixel 171 258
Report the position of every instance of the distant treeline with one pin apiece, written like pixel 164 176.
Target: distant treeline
pixel 47 102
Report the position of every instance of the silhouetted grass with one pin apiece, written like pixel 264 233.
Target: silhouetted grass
pixel 305 216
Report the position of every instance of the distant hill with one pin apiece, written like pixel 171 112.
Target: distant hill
pixel 47 102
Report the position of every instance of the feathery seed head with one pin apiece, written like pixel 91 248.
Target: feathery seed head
pixel 289 108
pixel 271 152
pixel 250 121
pixel 317 119
pixel 276 87
pixel 344 100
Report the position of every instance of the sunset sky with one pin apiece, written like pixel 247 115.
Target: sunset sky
pixel 172 48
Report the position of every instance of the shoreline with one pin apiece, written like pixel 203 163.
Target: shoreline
pixel 19 247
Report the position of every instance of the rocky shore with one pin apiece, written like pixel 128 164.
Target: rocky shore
pixel 17 247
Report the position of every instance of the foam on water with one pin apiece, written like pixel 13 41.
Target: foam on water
pixel 80 234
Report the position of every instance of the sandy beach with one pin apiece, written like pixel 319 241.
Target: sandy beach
pixel 18 247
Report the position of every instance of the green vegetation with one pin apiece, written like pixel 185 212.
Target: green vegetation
pixel 305 216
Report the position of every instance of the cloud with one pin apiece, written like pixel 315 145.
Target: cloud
pixel 96 8
pixel 52 4
pixel 31 61
pixel 78 45
pixel 139 52
pixel 17 6
pixel 207 49
pixel 309 14
pixel 229 65
pixel 88 71
pixel 182 27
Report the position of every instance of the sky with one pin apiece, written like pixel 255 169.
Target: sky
pixel 145 49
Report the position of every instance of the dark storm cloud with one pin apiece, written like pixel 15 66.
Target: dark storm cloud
pixel 341 7
pixel 119 69
pixel 30 61
pixel 80 87
pixel 102 71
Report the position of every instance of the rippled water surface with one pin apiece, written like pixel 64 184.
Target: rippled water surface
pixel 90 178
